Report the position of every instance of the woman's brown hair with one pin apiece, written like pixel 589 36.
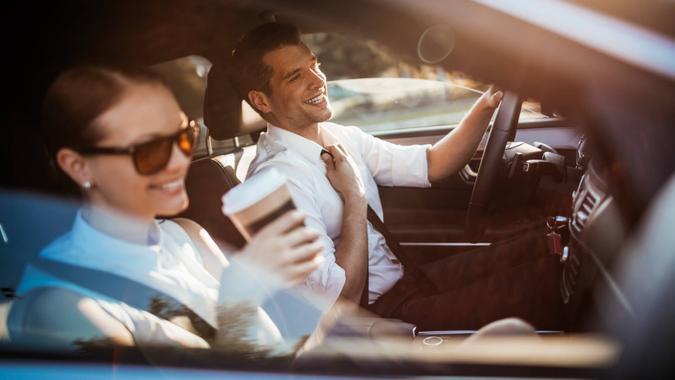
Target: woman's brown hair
pixel 75 100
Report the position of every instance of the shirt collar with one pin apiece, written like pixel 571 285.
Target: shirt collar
pixel 104 246
pixel 305 147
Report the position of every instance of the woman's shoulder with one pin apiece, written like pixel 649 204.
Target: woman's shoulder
pixel 62 245
pixel 174 229
pixel 39 299
pixel 63 316
pixel 183 231
pixel 205 249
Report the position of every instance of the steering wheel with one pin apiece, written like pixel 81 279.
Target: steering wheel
pixel 504 127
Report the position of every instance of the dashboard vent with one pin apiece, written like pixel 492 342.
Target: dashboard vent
pixel 583 211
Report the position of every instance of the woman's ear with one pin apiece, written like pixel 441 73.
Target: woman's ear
pixel 75 166
pixel 259 101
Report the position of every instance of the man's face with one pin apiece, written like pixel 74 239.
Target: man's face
pixel 298 94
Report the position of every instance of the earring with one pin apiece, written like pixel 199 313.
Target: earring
pixel 87 185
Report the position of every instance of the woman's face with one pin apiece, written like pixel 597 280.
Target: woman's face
pixel 145 112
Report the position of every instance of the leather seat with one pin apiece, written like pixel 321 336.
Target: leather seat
pixel 226 116
pixel 205 184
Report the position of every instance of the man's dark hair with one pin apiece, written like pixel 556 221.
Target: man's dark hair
pixel 249 72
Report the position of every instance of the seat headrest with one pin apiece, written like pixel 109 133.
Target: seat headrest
pixel 226 115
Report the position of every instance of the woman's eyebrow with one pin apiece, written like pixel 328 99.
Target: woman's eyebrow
pixel 150 136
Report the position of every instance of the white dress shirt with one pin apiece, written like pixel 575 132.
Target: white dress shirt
pixel 379 163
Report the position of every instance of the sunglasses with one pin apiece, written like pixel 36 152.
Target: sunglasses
pixel 152 156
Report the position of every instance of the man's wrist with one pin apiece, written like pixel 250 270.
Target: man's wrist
pixel 355 202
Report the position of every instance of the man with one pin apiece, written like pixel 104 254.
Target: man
pixel 333 173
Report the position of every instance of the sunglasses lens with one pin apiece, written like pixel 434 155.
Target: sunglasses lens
pixel 186 140
pixel 153 156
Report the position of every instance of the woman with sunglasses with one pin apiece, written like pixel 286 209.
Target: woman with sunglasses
pixel 122 139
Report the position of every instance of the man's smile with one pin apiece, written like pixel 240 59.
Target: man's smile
pixel 315 100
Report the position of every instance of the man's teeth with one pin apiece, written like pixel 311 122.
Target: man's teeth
pixel 172 185
pixel 315 100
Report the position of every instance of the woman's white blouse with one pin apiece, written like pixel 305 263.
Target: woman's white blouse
pixel 170 264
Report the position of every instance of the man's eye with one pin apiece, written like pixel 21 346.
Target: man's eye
pixel 293 77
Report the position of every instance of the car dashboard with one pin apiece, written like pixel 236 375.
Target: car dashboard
pixel 596 232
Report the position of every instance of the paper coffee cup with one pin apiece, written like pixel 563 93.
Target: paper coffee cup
pixel 258 201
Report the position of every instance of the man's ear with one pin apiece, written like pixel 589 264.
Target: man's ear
pixel 260 101
pixel 75 165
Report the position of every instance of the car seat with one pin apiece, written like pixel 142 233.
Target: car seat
pixel 226 117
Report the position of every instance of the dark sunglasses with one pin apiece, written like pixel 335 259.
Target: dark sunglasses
pixel 152 156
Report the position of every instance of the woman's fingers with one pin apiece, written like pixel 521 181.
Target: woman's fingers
pixel 300 271
pixel 299 236
pixel 282 224
pixel 305 252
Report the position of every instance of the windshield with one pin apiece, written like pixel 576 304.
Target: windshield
pixel 390 104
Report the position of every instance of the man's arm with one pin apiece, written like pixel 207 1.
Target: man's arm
pixel 351 254
pixel 454 150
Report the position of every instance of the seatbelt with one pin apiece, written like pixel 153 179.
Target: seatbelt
pixel 394 245
pixel 132 293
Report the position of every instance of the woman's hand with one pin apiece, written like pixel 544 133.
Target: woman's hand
pixel 285 249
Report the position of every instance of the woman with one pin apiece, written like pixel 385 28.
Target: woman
pixel 121 137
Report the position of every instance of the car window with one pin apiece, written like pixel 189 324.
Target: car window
pixel 373 88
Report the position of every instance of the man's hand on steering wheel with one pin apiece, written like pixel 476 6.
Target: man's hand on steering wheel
pixel 453 151
pixel 491 98
pixel 503 128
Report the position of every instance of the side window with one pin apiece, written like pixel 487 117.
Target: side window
pixel 370 87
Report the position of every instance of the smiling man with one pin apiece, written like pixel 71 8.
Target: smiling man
pixel 333 174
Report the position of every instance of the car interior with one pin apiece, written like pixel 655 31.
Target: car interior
pixel 562 174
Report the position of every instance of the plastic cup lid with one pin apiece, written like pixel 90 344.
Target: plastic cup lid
pixel 252 190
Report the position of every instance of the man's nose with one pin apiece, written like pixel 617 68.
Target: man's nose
pixel 317 79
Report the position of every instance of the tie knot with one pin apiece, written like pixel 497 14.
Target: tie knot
pixel 324 151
